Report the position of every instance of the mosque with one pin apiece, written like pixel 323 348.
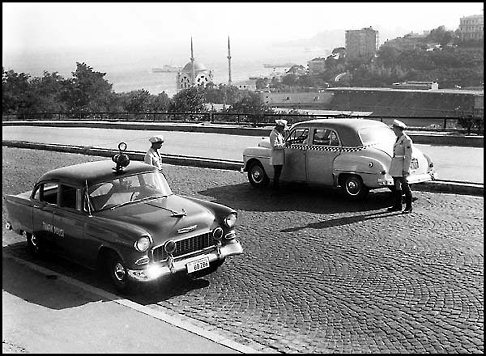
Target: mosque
pixel 195 73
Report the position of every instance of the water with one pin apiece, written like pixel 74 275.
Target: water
pixel 131 68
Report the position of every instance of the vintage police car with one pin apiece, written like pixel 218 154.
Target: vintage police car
pixel 353 154
pixel 125 218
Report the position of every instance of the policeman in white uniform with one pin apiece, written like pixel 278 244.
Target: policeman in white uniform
pixel 277 142
pixel 400 168
pixel 152 156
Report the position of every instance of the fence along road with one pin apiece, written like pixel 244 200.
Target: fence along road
pixel 461 164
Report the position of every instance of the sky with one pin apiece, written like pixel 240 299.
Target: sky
pixel 50 36
pixel 98 25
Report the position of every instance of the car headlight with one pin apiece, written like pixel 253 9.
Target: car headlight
pixel 230 220
pixel 142 244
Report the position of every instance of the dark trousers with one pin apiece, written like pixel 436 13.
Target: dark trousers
pixel 277 170
pixel 401 184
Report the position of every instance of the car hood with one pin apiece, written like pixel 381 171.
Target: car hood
pixel 164 218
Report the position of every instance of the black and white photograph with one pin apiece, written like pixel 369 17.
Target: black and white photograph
pixel 243 177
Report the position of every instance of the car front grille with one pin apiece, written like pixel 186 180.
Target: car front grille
pixel 184 247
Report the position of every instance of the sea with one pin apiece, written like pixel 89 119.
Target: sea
pixel 132 70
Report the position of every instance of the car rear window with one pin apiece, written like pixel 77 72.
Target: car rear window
pixel 377 136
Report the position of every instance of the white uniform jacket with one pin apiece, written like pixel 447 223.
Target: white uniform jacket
pixel 402 156
pixel 152 157
pixel 277 141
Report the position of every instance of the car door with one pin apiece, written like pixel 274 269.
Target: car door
pixel 45 201
pixel 295 151
pixel 69 221
pixel 324 147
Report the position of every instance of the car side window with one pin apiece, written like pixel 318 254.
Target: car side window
pixel 47 193
pixel 298 136
pixel 68 197
pixel 325 137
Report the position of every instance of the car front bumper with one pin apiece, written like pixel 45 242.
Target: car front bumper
pixel 156 270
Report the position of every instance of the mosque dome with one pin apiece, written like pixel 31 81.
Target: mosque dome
pixel 197 67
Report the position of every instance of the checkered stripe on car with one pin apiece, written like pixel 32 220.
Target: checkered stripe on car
pixel 329 148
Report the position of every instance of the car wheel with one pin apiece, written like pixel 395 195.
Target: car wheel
pixel 118 273
pixel 32 244
pixel 353 187
pixel 257 176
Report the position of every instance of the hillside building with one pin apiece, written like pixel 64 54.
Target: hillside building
pixel 471 27
pixel 361 45
pixel 317 66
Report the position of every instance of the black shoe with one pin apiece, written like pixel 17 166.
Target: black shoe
pixel 407 210
pixel 394 208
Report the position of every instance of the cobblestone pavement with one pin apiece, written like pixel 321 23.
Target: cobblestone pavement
pixel 321 274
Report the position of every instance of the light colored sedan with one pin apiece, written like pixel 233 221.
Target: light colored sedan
pixel 351 154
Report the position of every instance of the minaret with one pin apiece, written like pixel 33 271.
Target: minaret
pixel 229 62
pixel 193 74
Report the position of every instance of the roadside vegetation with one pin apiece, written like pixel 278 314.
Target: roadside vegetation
pixel 440 56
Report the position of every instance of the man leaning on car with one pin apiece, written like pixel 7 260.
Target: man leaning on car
pixel 277 142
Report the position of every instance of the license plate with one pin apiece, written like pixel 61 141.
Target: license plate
pixel 198 265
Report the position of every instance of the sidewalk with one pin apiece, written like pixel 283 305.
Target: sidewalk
pixel 44 312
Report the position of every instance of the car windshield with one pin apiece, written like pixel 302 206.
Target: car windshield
pixel 382 137
pixel 128 189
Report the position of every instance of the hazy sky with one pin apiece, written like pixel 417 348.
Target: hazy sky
pixel 83 25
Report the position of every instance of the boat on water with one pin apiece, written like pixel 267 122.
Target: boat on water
pixel 166 69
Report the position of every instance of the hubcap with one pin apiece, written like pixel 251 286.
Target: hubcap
pixel 257 175
pixel 353 187
pixel 34 240
pixel 119 271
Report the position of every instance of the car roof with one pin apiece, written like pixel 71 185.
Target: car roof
pixel 347 128
pixel 94 172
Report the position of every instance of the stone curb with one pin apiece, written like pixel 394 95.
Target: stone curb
pixel 440 186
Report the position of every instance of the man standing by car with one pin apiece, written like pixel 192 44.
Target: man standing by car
pixel 277 142
pixel 152 156
pixel 400 168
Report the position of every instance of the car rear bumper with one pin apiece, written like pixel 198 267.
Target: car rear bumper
pixel 387 180
pixel 155 271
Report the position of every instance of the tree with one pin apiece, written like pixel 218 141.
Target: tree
pixel 89 91
pixel 188 100
pixel 15 91
pixel 137 101
pixel 47 92
pixel 160 103
pixel 441 36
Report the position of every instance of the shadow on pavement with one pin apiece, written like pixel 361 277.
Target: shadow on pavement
pixel 341 221
pixel 295 197
pixel 37 288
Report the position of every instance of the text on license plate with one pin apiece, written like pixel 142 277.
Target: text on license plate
pixel 198 265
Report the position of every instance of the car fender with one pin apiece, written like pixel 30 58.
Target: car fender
pixel 117 236
pixel 218 210
pixel 368 168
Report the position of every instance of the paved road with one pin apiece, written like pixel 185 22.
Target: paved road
pixel 464 164
pixel 319 274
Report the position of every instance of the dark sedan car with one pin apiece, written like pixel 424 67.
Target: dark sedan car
pixel 124 218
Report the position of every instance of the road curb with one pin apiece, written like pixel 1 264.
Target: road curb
pixel 439 186
pixel 162 314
